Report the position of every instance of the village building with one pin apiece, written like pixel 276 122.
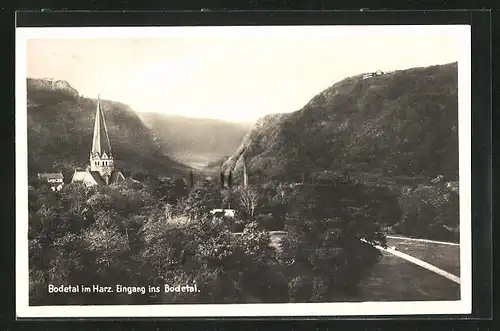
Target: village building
pixel 54 179
pixel 225 212
pixel 101 170
pixel 373 74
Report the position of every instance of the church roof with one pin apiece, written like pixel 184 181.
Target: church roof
pixel 100 142
pixel 83 176
pixel 97 177
pixel 94 177
pixel 116 177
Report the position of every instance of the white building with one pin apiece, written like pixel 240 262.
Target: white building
pixel 54 179
pixel 227 212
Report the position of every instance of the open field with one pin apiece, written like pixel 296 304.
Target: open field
pixel 446 257
pixel 394 279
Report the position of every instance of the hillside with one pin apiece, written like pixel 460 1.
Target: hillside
pixel 196 141
pixel 402 124
pixel 60 126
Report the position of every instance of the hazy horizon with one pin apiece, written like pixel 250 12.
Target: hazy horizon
pixel 231 77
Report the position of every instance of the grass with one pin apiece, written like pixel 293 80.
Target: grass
pixel 394 279
pixel 445 257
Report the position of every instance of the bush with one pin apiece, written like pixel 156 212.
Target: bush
pixel 430 212
pixel 323 254
pixel 270 222
pixel 327 252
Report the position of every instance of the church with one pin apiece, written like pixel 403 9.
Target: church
pixel 101 170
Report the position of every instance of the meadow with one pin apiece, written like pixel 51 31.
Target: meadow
pixel 446 257
pixel 394 279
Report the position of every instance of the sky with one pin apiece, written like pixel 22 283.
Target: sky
pixel 231 76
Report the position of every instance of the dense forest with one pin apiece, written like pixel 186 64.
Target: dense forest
pixel 159 232
pixel 400 124
pixel 162 232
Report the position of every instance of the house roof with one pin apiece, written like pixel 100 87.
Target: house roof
pixel 51 175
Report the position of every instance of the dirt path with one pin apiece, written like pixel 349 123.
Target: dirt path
pixel 424 240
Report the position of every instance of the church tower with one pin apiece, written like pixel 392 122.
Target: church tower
pixel 101 158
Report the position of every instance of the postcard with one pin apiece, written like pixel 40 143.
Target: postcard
pixel 243 171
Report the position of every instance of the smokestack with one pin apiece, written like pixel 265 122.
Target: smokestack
pixel 245 175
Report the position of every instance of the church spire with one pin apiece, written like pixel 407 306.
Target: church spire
pixel 101 159
pixel 100 142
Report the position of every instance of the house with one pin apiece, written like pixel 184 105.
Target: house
pixel 54 179
pixel 101 170
pixel 372 74
pixel 437 179
pixel 227 212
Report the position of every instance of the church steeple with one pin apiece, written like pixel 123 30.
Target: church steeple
pixel 101 158
pixel 100 143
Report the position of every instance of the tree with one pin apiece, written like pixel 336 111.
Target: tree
pixel 248 199
pixel 164 242
pixel 221 180
pixel 202 198
pixel 324 256
pixel 170 190
pixel 191 179
pixel 430 212
pixel 104 239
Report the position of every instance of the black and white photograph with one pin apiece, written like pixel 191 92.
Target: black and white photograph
pixel 243 171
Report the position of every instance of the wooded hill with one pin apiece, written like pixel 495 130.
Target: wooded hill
pixel 60 128
pixel 402 124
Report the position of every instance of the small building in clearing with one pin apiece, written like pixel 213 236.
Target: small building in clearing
pixel 227 212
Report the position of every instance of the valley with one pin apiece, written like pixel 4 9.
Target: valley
pixel 373 157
